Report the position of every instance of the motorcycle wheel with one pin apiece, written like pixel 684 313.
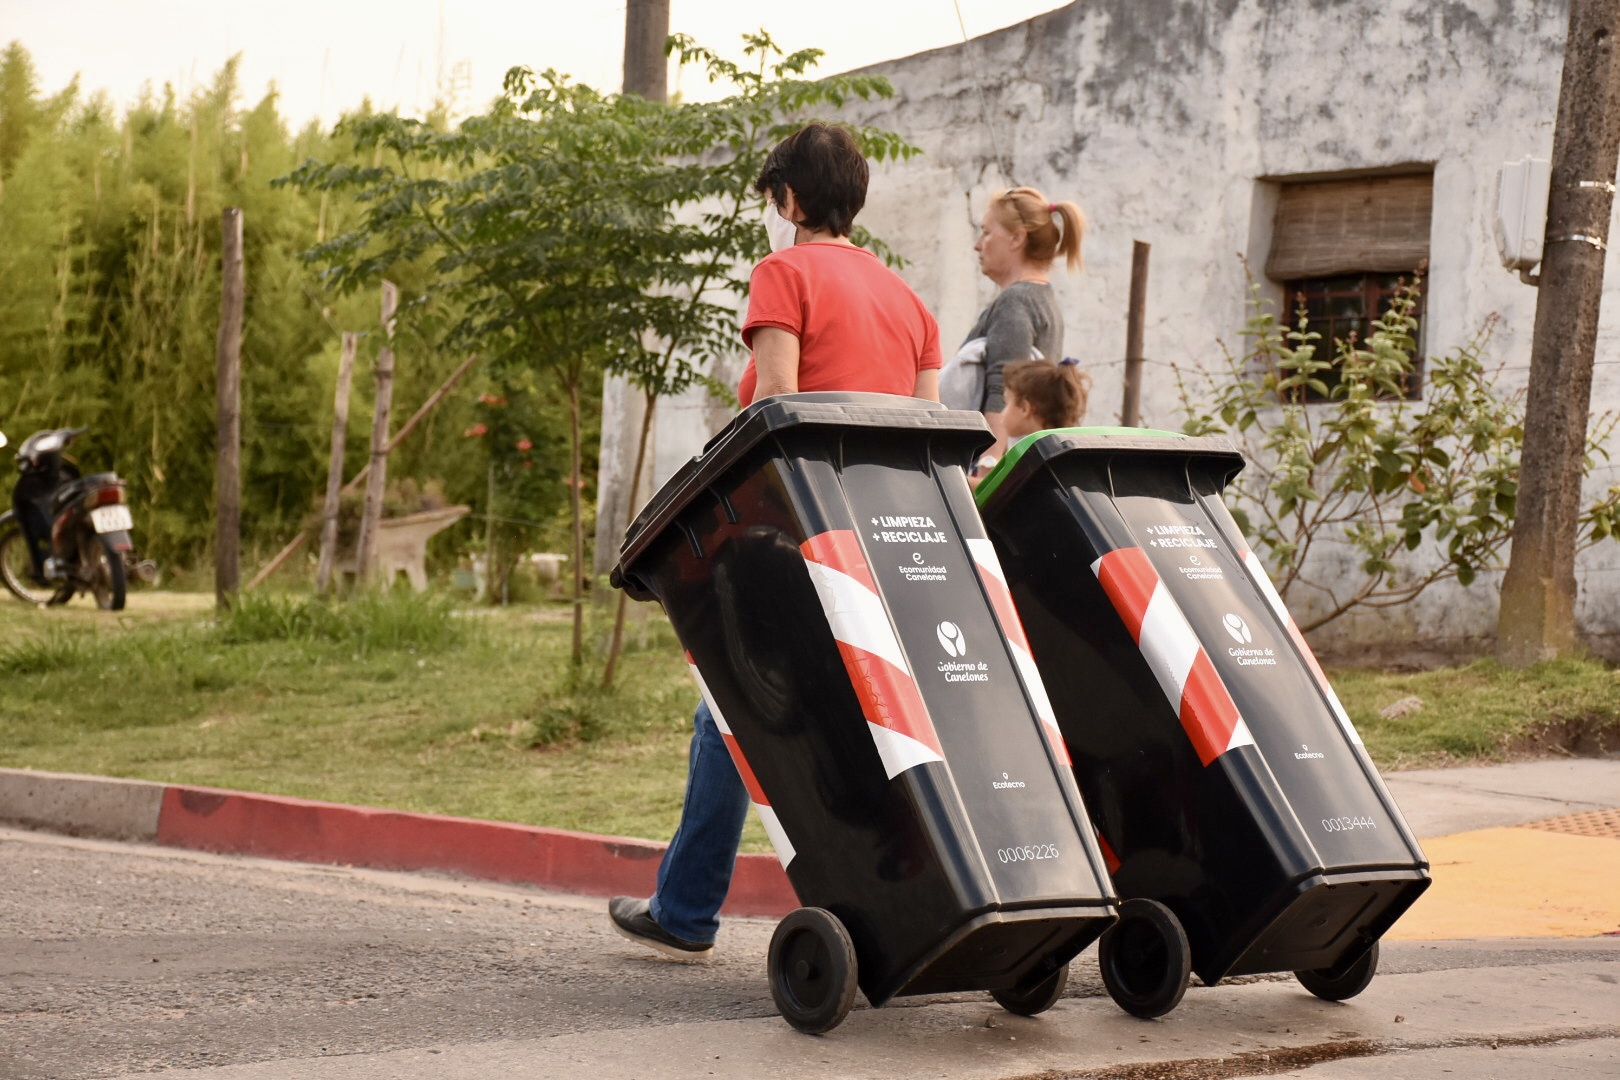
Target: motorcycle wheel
pixel 17 568
pixel 101 567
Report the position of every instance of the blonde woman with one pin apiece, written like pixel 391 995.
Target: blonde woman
pixel 1021 236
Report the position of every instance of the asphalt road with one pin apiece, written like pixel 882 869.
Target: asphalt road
pixel 120 959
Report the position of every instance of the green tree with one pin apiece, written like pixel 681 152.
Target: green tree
pixel 718 149
pixel 109 266
pixel 20 107
pixel 538 221
pixel 572 232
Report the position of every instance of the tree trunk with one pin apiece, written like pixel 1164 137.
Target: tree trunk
pixel 1537 617
pixel 491 593
pixel 621 608
pixel 575 469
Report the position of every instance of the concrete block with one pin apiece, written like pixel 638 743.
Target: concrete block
pixel 81 805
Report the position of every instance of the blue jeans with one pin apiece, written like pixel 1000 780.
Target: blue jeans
pixel 695 873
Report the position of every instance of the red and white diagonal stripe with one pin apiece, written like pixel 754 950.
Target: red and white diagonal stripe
pixel 1262 581
pixel 762 805
pixel 884 684
pixel 1012 628
pixel 1208 714
pixel 1110 859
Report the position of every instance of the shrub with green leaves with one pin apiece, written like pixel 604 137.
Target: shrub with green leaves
pixel 1421 490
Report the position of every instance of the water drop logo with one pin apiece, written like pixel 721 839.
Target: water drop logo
pixel 1237 628
pixel 951 639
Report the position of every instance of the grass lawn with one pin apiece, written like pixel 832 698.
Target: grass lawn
pixel 414 704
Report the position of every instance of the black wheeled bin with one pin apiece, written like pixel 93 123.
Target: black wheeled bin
pixel 824 566
pixel 1241 818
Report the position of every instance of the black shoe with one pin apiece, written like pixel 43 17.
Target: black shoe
pixel 632 919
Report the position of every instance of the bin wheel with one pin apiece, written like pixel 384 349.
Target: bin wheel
pixel 1335 985
pixel 812 970
pixel 1145 959
pixel 1038 998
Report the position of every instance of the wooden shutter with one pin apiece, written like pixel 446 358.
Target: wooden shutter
pixel 1376 224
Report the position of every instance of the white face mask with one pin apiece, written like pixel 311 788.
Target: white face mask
pixel 781 231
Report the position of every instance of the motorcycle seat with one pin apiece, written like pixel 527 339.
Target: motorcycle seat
pixel 76 487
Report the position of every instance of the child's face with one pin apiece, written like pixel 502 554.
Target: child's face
pixel 1017 417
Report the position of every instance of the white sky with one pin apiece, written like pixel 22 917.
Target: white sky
pixel 326 55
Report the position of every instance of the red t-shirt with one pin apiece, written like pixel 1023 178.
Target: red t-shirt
pixel 860 327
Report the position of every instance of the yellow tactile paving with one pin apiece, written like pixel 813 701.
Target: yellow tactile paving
pixel 1592 823
pixel 1517 882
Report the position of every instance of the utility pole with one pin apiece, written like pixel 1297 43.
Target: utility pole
pixel 646 70
pixel 228 415
pixel 1537 618
pixel 624 408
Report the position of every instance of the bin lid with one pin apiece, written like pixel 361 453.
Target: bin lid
pixel 1033 451
pixel 830 410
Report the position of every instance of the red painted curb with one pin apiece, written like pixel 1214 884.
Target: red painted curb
pixel 277 827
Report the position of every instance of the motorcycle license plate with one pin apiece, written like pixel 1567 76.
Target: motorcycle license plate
pixel 115 518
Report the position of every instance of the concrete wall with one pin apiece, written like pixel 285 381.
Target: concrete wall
pixel 1168 121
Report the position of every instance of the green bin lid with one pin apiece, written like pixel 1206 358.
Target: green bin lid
pixel 1060 440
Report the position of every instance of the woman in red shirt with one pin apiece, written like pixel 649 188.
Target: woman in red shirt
pixel 823 314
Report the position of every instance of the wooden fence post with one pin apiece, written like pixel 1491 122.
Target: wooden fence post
pixel 428 406
pixel 334 473
pixel 1130 413
pixel 228 417
pixel 377 482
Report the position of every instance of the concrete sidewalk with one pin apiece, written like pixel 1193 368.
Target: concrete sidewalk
pixel 1529 849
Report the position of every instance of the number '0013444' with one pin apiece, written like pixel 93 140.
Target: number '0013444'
pixel 1346 824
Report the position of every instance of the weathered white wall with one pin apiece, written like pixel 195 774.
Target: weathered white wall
pixel 1163 119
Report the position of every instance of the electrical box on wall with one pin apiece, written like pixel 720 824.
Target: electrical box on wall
pixel 1521 211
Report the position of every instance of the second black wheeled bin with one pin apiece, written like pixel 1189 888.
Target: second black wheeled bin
pixel 1241 817
pixel 824 566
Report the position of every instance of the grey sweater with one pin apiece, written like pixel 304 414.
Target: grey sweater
pixel 1023 316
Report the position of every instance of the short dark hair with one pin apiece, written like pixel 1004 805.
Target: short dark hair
pixel 827 172
pixel 1055 393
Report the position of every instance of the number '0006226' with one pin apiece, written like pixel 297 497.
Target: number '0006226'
pixel 1027 853
pixel 1346 824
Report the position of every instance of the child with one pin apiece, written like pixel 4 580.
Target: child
pixel 1041 396
pixel 1037 396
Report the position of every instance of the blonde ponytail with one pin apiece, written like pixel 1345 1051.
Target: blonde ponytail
pixel 1027 209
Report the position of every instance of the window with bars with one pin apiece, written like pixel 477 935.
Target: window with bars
pixel 1345 305
pixel 1340 248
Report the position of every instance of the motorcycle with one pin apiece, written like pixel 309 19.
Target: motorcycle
pixel 66 533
